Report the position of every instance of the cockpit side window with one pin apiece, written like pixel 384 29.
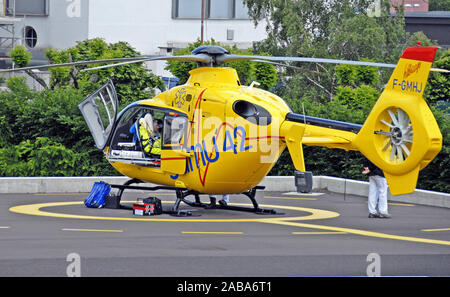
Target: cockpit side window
pixel 127 142
pixel 175 131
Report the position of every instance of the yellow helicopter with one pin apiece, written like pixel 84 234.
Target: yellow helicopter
pixel 213 135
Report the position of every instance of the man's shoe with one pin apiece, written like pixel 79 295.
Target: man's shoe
pixel 222 202
pixel 385 216
pixel 373 215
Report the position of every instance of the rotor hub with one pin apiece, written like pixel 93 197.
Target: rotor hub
pixel 398 140
pixel 396 135
pixel 210 50
pixel 213 51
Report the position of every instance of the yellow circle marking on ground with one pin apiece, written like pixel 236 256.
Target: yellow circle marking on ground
pixel 359 232
pixel 35 209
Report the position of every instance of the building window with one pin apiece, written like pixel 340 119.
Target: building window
pixel 30 37
pixel 188 9
pixel 26 7
pixel 214 9
pixel 219 9
pixel 240 10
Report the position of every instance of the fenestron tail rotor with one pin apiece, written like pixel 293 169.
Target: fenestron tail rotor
pixel 398 134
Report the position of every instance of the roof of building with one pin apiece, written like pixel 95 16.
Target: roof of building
pixel 428 14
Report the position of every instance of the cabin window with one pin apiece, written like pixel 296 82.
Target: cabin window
pixel 175 131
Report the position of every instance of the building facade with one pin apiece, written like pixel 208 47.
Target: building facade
pixel 152 27
pixel 411 5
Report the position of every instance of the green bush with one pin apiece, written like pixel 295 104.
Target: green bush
pixel 20 56
pixel 438 87
pixel 133 81
pixel 40 157
pixel 46 124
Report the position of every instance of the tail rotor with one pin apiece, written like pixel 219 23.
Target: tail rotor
pixel 398 135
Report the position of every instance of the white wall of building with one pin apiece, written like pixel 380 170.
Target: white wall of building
pixel 66 23
pixel 147 25
pixel 60 29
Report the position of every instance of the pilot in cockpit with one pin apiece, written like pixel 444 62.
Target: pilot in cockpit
pixel 149 134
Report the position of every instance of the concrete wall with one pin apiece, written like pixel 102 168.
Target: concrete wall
pixel 272 183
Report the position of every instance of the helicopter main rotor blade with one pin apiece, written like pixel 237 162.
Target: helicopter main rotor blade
pixel 231 58
pixel 285 65
pixel 440 70
pixel 79 63
pixel 113 65
pixel 200 58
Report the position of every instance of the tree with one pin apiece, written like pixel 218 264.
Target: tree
pixel 442 5
pixel 326 29
pixel 438 87
pixel 133 81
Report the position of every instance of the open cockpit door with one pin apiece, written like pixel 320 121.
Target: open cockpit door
pixel 100 111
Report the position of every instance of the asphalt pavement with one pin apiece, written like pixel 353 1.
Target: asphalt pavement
pixel 319 234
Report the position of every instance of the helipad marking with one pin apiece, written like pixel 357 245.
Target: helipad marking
pixel 319 233
pixel 35 209
pixel 436 230
pixel 401 204
pixel 90 230
pixel 359 232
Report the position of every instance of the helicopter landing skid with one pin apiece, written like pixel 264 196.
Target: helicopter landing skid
pixel 182 193
pixel 212 205
pixel 127 185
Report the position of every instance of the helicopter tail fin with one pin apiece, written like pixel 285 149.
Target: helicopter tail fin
pixel 401 135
